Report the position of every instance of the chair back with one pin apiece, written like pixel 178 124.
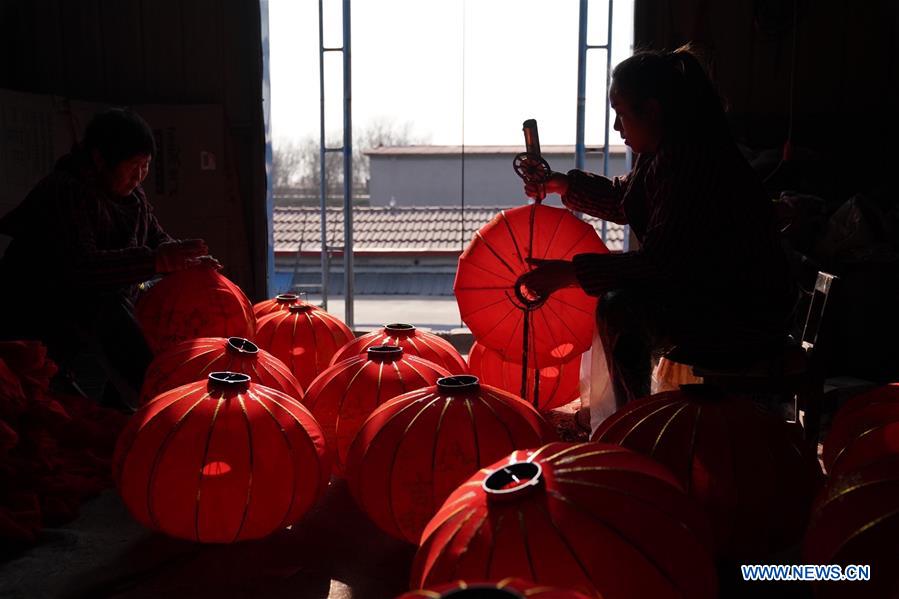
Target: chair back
pixel 817 304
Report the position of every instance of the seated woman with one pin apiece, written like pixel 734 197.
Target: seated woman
pixel 710 279
pixel 82 240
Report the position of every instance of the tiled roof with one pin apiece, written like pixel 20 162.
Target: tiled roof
pixel 399 229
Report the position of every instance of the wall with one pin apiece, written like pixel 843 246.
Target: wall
pixel 846 86
pixel 169 54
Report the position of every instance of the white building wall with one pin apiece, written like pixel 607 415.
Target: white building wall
pixel 436 179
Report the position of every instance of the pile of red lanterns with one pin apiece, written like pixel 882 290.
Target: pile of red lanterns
pixel 250 411
pixel 243 426
pixel 854 518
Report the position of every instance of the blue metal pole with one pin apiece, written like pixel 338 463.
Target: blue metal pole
pixel 347 169
pixel 323 181
pixel 580 151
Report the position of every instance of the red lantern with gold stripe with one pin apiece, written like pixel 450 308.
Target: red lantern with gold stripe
pixel 303 337
pixel 220 461
pixel 556 385
pixel 414 342
pixel 855 521
pixel 343 396
pixel 279 303
pixel 509 588
pixel 750 470
pixel 413 451
pixel 864 429
pixel 500 313
pixel 197 302
pixel 596 518
pixel 193 360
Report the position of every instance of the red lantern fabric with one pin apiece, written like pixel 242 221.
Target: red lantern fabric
pixel 221 461
pixel 854 522
pixel 303 337
pixel 497 312
pixel 55 449
pixel 194 360
pixel 592 517
pixel 749 470
pixel 279 303
pixel 414 342
pixel 343 396
pixel 509 588
pixel 197 302
pixel 413 451
pixel 558 385
pixel 864 429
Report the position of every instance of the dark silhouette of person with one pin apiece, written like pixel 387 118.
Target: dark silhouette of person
pixel 82 240
pixel 710 280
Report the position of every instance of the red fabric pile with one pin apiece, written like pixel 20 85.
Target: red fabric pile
pixel 55 449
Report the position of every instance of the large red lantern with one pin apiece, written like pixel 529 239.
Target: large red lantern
pixel 749 470
pixel 499 313
pixel 551 386
pixel 280 302
pixel 193 360
pixel 592 517
pixel 303 337
pixel 510 588
pixel 221 461
pixel 854 522
pixel 414 342
pixel 864 429
pixel 413 451
pixel 197 302
pixel 343 396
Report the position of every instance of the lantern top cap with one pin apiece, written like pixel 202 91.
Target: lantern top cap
pixel 384 353
pixel 240 345
pixel 299 308
pixel 229 380
pixel 459 383
pixel 513 481
pixel 399 328
pixel 286 298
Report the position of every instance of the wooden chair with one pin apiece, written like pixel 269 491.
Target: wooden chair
pixel 795 370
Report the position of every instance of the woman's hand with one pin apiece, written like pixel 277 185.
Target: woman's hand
pixel 557 183
pixel 178 255
pixel 548 277
pixel 204 262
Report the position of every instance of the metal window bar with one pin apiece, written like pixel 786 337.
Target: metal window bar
pixel 347 150
pixel 580 150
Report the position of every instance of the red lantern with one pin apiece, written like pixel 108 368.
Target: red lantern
pixel 510 588
pixel 596 518
pixel 863 430
pixel 749 470
pixel 413 451
pixel 280 302
pixel 499 312
pixel 303 337
pixel 193 360
pixel 414 342
pixel 221 461
pixel 343 396
pixel 557 385
pixel 854 523
pixel 197 302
